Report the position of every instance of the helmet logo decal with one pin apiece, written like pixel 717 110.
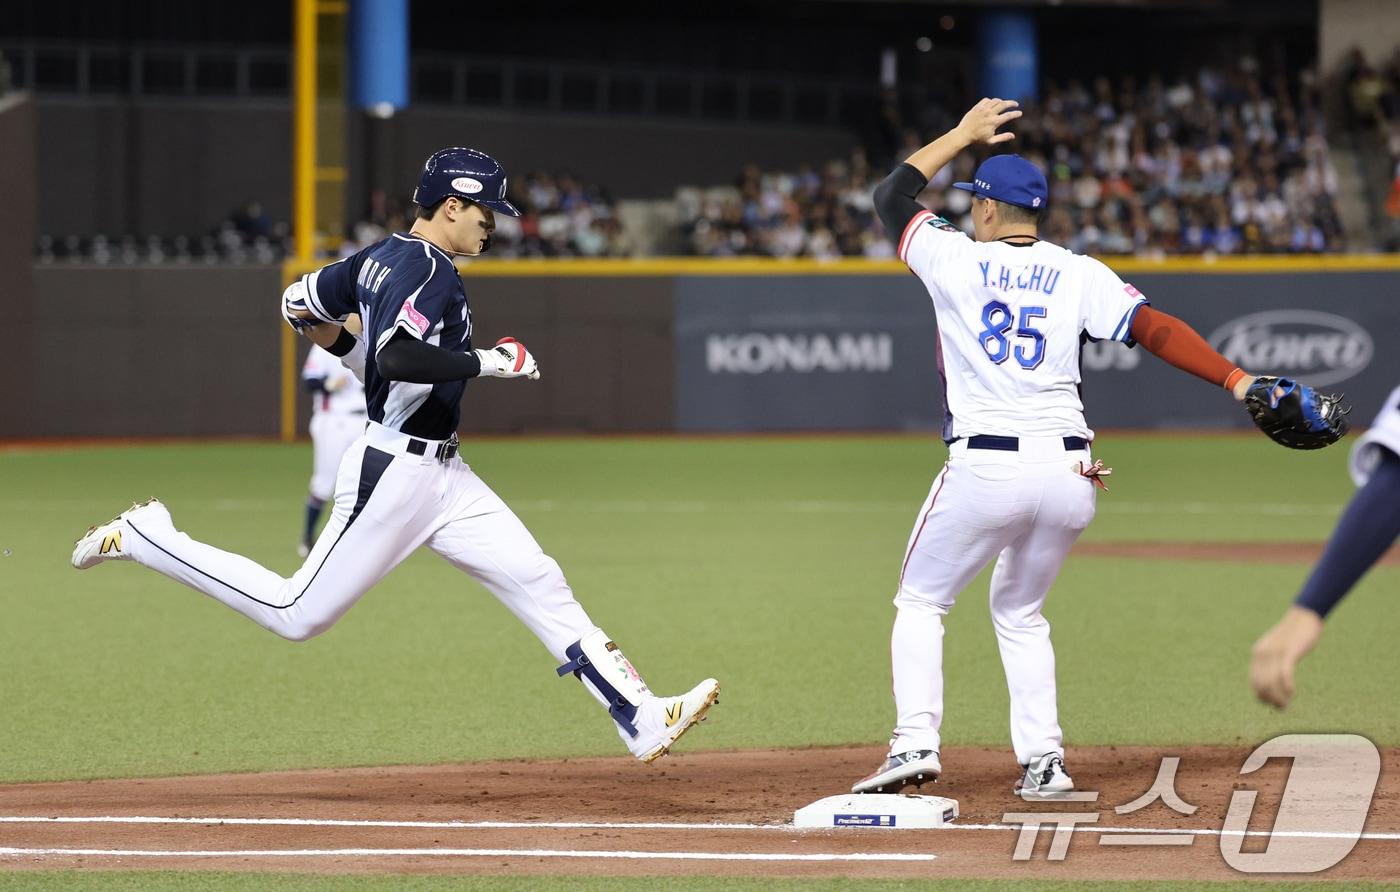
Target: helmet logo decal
pixel 467 185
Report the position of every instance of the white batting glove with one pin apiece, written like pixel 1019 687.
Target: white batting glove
pixel 508 359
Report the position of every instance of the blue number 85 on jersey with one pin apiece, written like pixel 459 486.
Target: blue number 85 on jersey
pixel 997 317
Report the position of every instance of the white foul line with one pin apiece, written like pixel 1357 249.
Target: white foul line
pixel 428 825
pixel 470 853
pixel 1049 825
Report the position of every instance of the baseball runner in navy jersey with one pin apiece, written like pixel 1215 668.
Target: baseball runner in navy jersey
pixel 401 485
pixel 1369 525
pixel 1019 486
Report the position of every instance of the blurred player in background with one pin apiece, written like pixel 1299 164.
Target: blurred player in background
pixel 1369 526
pixel 337 420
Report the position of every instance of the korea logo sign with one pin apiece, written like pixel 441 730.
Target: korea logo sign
pixel 1317 348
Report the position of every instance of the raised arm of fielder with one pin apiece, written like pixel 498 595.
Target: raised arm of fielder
pixel 896 202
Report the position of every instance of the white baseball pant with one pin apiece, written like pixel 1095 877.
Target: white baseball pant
pixel 1024 509
pixel 332 433
pixel 388 501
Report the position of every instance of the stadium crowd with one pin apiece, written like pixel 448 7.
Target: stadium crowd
pixel 1220 163
pixel 560 217
pixel 1225 162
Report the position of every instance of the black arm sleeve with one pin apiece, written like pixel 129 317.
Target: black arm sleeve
pixel 894 198
pixel 407 359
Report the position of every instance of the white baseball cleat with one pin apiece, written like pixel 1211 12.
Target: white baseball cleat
pixel 899 770
pixel 1044 778
pixel 107 541
pixel 661 721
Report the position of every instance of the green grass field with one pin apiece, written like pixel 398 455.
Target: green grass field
pixel 769 563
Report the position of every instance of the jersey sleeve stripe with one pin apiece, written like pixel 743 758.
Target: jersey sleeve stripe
pixel 909 229
pixel 313 300
pixel 1124 331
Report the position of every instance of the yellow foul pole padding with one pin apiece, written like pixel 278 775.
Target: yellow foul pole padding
pixel 303 188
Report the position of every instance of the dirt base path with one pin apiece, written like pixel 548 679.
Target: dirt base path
pixel 709 812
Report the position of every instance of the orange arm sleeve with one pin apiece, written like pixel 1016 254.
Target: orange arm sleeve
pixel 1178 344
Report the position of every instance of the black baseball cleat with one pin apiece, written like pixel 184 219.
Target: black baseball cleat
pixel 899 770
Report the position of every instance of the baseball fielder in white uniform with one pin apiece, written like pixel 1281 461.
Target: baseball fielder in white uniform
pixel 1367 528
pixel 1019 484
pixel 337 420
pixel 401 485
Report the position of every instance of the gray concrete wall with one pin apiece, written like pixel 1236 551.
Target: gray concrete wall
pixel 195 351
pixel 1372 25
pixel 178 167
pixel 18 196
pixel 155 351
pixel 632 157
pixel 159 167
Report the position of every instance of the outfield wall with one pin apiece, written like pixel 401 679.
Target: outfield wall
pixel 21 198
pixel 800 352
pixel 688 346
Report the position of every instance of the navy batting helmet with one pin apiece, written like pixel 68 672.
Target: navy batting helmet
pixel 465 173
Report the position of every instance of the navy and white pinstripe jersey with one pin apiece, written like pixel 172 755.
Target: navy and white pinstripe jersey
pixel 402 283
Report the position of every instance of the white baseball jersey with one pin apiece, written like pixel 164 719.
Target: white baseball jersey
pixel 1384 433
pixel 344 395
pixel 1010 319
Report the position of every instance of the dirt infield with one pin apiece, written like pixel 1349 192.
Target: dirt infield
pixel 727 810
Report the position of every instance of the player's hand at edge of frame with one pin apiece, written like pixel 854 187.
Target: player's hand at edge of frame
pixel 1275 655
pixel 508 359
pixel 980 123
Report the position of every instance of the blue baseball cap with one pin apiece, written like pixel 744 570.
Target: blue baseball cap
pixel 1009 178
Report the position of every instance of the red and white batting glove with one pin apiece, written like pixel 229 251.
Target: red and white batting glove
pixel 508 359
pixel 1094 473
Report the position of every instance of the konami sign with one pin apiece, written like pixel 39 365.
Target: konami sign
pixel 757 353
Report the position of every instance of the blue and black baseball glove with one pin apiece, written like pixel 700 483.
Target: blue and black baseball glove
pixel 1295 415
